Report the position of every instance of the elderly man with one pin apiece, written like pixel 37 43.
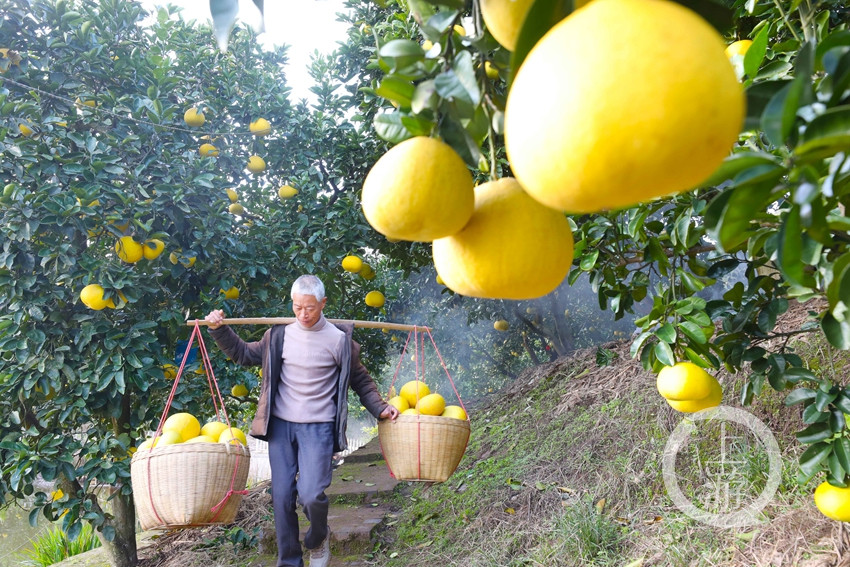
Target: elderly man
pixel 302 410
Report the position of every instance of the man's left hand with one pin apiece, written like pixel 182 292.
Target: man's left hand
pixel 389 412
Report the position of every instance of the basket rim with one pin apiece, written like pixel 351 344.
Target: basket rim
pixel 216 448
pixel 426 418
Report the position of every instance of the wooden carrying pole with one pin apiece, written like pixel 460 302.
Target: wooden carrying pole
pixel 290 320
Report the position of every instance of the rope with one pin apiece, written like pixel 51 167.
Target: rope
pixel 218 404
pixel 122 117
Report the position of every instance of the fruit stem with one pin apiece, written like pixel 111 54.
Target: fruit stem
pixel 787 22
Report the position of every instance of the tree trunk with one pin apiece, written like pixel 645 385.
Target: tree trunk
pixel 121 550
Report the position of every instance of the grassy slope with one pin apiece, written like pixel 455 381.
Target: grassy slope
pixel 572 438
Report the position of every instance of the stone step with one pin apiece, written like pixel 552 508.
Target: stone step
pixel 370 452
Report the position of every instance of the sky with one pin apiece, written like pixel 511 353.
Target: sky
pixel 304 25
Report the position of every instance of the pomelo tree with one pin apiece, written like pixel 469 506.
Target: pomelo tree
pixel 94 148
pixel 722 259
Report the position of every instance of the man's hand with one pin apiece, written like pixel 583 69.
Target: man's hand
pixel 215 317
pixel 389 412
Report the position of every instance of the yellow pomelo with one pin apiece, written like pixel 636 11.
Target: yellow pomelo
pixel 491 71
pixel 432 404
pixel 512 248
pixel 459 29
pixel 455 412
pixel 89 102
pixel 833 501
pixel 169 371
pixel 92 297
pixel 739 47
pixel 352 264
pixel 256 164
pixel 129 250
pixel 684 381
pixel 501 325
pixel 185 424
pixel 260 127
pixel 287 192
pixel 26 131
pixel 236 209
pixel 166 438
pixel 589 130
pixel 375 299
pixel 410 411
pixel 232 293
pixel 414 391
pixel 194 118
pixel 504 18
pixel 208 150
pixel 419 190
pixel 202 439
pixel 213 429
pixel 366 272
pixel 689 406
pixel 239 390
pixel 440 280
pixel 153 248
pixel 399 403
pixel 232 435
pixel 232 195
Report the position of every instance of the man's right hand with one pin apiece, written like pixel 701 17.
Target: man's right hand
pixel 215 318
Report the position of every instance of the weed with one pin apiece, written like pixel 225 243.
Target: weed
pixel 55 546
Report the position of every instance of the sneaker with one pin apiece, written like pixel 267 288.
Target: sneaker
pixel 321 556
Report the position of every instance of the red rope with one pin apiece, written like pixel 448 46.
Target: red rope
pixel 218 402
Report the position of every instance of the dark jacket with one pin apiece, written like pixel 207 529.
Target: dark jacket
pixel 267 352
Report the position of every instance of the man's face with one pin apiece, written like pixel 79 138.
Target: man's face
pixel 307 308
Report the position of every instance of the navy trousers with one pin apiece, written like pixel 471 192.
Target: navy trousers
pixel 303 451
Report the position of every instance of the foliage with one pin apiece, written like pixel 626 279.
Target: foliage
pixel 55 546
pixel 103 92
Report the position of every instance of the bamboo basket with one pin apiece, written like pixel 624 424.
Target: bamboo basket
pixel 178 486
pixel 423 447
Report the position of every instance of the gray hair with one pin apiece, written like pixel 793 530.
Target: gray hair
pixel 308 285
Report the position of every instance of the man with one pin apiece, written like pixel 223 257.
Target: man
pixel 302 410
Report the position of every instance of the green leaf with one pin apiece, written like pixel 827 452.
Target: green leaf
pixel 829 132
pixel 789 252
pixel 759 96
pixel 735 164
pixel 541 17
pixel 589 260
pixel 693 332
pixel 390 128
pixel 841 447
pixel 814 456
pixel 666 333
pixel 837 332
pixel 730 214
pixel 799 395
pixel 755 54
pixel 664 353
pixel 397 89
pixel 400 54
pixel 814 433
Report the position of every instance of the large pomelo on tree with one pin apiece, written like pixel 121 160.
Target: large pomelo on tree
pixel 601 128
pixel 419 190
pixel 512 248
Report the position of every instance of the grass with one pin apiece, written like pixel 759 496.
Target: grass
pixel 54 546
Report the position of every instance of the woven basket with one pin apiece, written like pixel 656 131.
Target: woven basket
pixel 423 447
pixel 179 485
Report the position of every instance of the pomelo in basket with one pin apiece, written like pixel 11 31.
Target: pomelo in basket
pixel 414 391
pixel 184 424
pixel 213 429
pixel 399 403
pixel 233 435
pixel 202 439
pixel 166 438
pixel 455 412
pixel 432 404
pixel 410 411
